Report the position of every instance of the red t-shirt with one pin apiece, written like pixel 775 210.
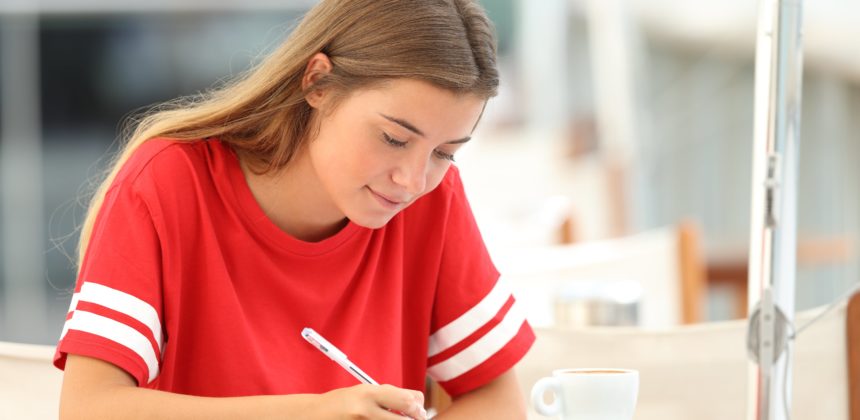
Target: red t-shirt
pixel 190 288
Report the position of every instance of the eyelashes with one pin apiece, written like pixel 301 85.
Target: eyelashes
pixel 391 141
pixel 444 156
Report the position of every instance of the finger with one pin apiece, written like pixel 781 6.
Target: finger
pixel 413 411
pixel 419 396
pixel 405 401
pixel 384 414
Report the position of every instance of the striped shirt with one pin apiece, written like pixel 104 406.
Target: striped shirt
pixel 190 288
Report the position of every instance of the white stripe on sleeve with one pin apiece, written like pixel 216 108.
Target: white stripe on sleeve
pixel 121 302
pixel 471 321
pixel 482 349
pixel 72 306
pixel 119 333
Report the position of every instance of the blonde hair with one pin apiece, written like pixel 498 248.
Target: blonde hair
pixel 264 115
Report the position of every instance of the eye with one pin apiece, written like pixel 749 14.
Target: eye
pixel 391 141
pixel 444 156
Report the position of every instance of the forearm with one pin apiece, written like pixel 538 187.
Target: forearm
pixel 500 399
pixel 139 403
pixel 96 389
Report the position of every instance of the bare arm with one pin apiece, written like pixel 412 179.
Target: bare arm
pixel 96 389
pixel 499 399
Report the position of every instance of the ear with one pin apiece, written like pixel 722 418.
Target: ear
pixel 318 66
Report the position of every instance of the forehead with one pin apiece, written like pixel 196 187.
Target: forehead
pixel 434 110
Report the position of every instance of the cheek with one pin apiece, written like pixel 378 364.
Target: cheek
pixel 344 158
pixel 435 176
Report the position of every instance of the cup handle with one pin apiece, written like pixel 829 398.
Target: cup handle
pixel 541 386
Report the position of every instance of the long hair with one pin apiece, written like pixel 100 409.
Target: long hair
pixel 263 113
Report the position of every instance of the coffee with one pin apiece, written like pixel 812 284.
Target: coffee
pixel 592 372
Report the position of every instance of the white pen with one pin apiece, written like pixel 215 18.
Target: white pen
pixel 340 358
pixel 335 354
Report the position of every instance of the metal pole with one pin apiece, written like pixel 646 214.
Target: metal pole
pixel 773 236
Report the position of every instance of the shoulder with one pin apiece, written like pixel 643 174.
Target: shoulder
pixel 172 173
pixel 449 190
pixel 159 157
pixel 451 183
pixel 163 164
pixel 447 200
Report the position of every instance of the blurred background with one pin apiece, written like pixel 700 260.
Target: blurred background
pixel 622 127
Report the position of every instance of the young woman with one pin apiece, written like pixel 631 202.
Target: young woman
pixel 317 191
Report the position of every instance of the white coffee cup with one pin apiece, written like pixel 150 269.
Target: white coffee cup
pixel 588 394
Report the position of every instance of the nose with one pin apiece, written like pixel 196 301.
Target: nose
pixel 411 174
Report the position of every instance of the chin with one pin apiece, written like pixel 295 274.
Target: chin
pixel 371 222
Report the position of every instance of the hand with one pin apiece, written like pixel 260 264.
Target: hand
pixel 372 402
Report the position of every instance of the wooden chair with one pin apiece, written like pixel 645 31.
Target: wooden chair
pixel 700 371
pixel 29 382
pixel 666 262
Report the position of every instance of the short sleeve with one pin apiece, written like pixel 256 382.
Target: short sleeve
pixel 116 312
pixel 478 329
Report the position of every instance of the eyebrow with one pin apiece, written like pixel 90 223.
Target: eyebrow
pixel 407 125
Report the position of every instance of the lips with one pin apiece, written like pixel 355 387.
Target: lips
pixel 388 201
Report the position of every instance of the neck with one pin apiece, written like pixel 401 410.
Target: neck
pixel 294 200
